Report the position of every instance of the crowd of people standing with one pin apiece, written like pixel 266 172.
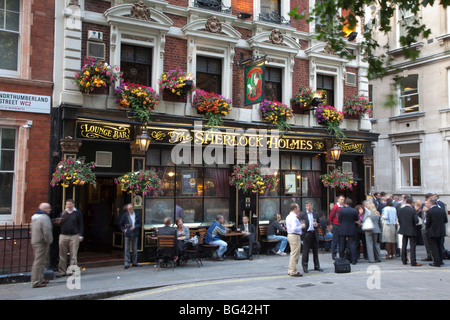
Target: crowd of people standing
pixel 390 223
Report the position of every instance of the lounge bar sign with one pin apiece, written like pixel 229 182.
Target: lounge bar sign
pixel 102 131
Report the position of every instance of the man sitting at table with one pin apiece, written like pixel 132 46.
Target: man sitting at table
pixel 213 236
pixel 250 235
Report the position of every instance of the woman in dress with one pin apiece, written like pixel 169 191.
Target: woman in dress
pixel 389 215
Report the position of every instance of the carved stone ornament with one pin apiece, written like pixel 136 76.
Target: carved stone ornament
pixel 140 11
pixel 70 145
pixel 276 37
pixel 213 25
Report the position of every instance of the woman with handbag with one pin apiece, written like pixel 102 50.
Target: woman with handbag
pixel 360 236
pixel 372 229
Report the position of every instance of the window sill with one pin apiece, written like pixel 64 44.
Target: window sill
pixel 411 115
pixel 399 51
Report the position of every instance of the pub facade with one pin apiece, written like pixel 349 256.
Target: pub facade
pixel 212 41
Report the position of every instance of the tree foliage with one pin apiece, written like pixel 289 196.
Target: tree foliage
pixel 327 11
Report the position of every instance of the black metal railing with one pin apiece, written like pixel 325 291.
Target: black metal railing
pixel 16 253
pixel 214 5
pixel 274 17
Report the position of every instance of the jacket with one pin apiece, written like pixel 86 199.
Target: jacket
pixel 125 225
pixel 435 222
pixel 214 232
pixel 41 228
pixel 407 219
pixel 376 220
pixel 347 218
pixel 304 216
pixel 274 225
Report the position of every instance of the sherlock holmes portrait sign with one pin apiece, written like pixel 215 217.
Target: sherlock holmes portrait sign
pixel 254 84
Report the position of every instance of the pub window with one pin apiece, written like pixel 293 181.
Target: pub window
pixel 410 165
pixel 136 64
pixel 326 83
pixel 299 181
pixel 7 169
pixel 270 11
pixel 209 74
pixel 9 35
pixel 272 84
pixel 195 193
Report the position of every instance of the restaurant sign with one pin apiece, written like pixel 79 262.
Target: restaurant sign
pixel 104 131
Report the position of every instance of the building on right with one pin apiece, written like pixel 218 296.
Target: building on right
pixel 412 109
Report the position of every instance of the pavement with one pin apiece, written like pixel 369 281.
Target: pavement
pixel 114 281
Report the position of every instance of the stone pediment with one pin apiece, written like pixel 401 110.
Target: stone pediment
pixel 275 40
pixel 138 14
pixel 210 28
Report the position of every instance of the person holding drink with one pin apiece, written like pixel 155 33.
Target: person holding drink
pixel 310 236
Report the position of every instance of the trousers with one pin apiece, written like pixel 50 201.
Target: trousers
pixel 295 244
pixel 68 243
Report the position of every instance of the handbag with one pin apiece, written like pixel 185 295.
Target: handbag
pixel 240 254
pixel 342 265
pixel 367 225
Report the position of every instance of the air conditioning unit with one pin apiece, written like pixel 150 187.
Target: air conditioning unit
pixel 350 79
pixel 103 159
pixel 96 50
pixel 95 35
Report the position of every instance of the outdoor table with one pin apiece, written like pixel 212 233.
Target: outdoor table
pixel 231 240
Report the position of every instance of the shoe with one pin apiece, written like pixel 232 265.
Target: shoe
pixel 298 274
pixel 126 267
pixel 426 259
pixel 305 270
pixel 275 251
pixel 250 258
pixel 416 265
pixel 319 269
pixel 45 281
pixel 136 265
pixel 434 265
pixel 40 285
pixel 219 259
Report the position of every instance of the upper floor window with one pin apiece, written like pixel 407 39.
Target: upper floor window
pixel 9 36
pixel 410 165
pixel 272 84
pixel 136 64
pixel 326 83
pixel 215 5
pixel 408 89
pixel 405 18
pixel 271 11
pixel 209 74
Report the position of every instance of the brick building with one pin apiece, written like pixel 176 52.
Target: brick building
pixel 210 40
pixel 26 86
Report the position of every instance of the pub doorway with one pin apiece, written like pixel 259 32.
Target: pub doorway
pixel 101 208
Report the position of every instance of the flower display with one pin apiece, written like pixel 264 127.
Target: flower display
pixel 331 118
pixel 357 105
pixel 75 172
pixel 302 100
pixel 96 74
pixel 250 179
pixel 176 81
pixel 276 113
pixel 338 179
pixel 142 182
pixel 214 106
pixel 141 99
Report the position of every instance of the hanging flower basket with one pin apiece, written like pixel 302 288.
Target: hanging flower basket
pixel 96 76
pixel 338 179
pixel 331 119
pixel 214 106
pixel 357 105
pixel 176 84
pixel 74 172
pixel 140 99
pixel 142 182
pixel 276 113
pixel 250 179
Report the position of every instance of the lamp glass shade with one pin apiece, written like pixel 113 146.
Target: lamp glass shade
pixel 335 152
pixel 144 141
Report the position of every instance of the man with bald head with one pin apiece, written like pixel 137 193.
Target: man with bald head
pixel 41 238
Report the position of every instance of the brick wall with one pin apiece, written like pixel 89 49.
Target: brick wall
pixel 176 54
pixel 238 78
pixel 351 90
pixel 99 6
pixel 300 77
pixel 303 6
pixel 94 27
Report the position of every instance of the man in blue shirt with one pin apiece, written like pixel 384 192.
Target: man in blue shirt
pixel 213 237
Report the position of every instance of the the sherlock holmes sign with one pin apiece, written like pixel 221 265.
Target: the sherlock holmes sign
pixel 102 131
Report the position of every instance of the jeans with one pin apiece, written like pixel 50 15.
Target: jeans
pixel 222 247
pixel 281 244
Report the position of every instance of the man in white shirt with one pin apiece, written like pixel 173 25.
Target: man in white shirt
pixel 294 230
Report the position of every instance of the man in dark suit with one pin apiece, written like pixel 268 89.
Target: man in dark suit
pixel 250 235
pixel 435 226
pixel 348 219
pixel 408 220
pixel 310 236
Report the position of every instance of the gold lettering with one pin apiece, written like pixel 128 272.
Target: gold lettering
pixel 198 137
